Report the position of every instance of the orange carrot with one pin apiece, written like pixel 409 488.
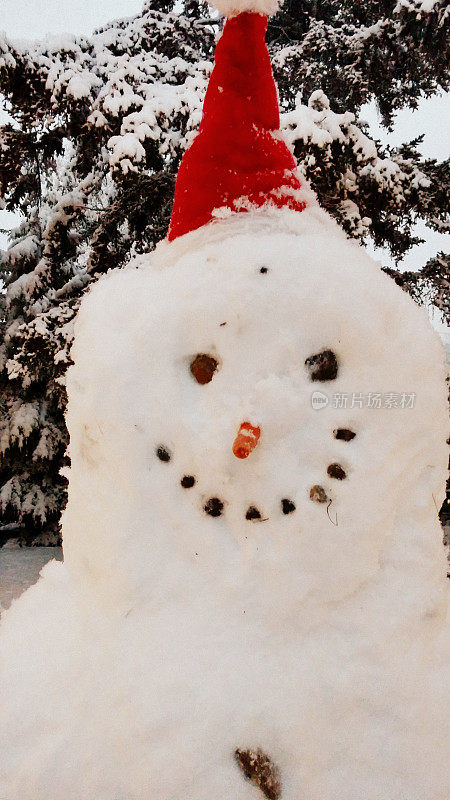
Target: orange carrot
pixel 246 440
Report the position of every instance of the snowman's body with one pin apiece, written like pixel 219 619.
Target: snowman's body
pixel 175 637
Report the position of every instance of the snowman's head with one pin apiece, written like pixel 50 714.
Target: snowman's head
pixel 268 329
pixel 249 411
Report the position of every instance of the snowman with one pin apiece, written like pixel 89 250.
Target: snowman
pixel 253 601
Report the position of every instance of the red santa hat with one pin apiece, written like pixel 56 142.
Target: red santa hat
pixel 238 160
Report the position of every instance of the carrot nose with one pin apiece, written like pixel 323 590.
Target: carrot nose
pixel 246 440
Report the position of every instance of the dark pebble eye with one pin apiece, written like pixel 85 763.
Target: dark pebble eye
pixel 253 513
pixel 214 507
pixel 318 494
pixel 336 471
pixel 322 366
pixel 264 270
pixel 345 434
pixel 203 368
pixel 287 506
pixel 188 482
pixel 163 453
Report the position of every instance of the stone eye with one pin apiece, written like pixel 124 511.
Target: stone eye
pixel 322 366
pixel 203 368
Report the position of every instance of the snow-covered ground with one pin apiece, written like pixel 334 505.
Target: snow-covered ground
pixel 20 568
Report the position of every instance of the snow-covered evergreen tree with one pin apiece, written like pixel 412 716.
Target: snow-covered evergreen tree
pixel 99 127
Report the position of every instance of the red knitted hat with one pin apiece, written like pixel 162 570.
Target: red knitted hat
pixel 238 159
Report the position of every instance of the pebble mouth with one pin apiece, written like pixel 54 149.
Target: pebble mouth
pixel 287 506
pixel 253 513
pixel 163 453
pixel 215 506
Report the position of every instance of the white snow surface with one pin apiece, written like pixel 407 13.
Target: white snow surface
pixel 20 568
pixel 168 638
pixel 230 8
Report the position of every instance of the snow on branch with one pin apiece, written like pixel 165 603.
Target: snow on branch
pixel 230 8
pixel 326 141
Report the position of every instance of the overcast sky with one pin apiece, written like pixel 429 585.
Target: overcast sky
pixel 34 18
pixel 31 19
